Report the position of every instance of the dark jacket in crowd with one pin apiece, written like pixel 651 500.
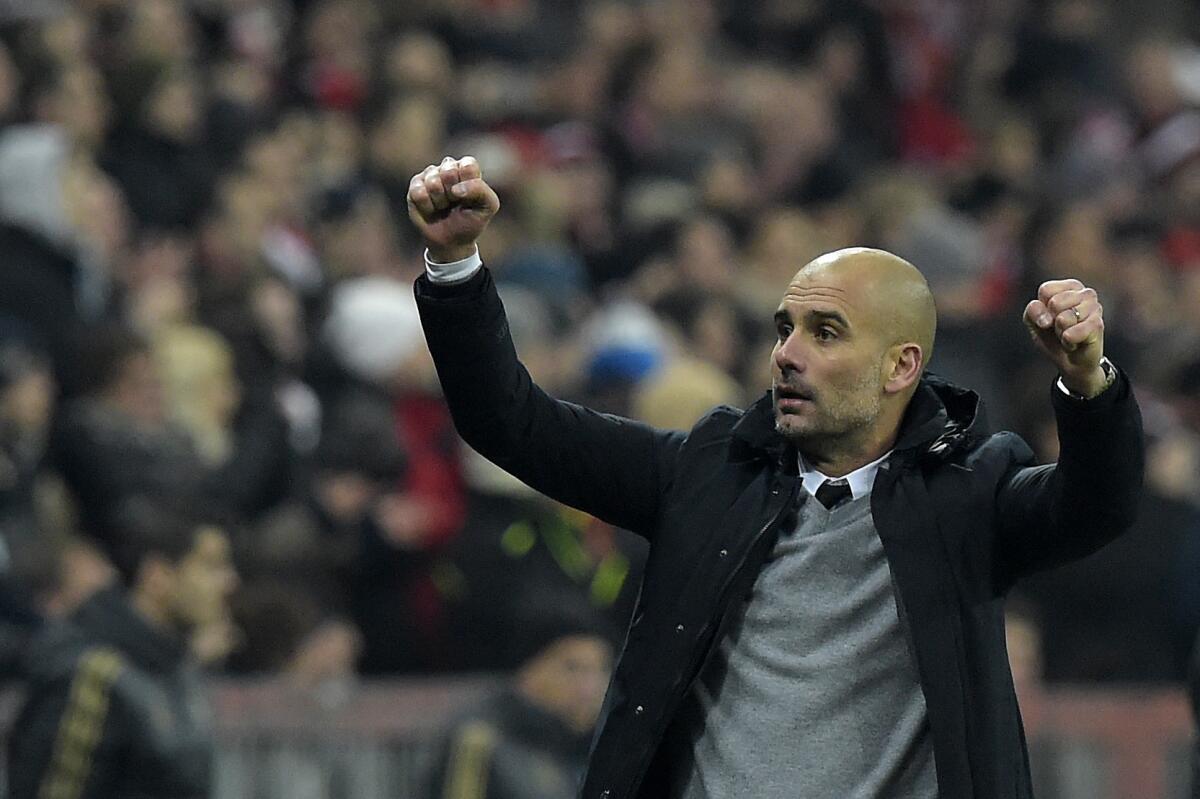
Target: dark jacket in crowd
pixel 19 623
pixel 37 286
pixel 107 457
pixel 961 517
pixel 508 749
pixel 116 710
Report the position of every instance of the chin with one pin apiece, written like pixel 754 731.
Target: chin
pixel 790 427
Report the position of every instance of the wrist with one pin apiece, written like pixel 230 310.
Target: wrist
pixel 458 271
pixel 1092 383
pixel 449 253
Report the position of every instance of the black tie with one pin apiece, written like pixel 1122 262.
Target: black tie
pixel 833 493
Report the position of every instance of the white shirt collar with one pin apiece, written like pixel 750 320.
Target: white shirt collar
pixel 861 479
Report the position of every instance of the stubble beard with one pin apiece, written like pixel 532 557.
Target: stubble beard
pixel 836 427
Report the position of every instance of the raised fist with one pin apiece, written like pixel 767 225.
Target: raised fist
pixel 1066 322
pixel 451 205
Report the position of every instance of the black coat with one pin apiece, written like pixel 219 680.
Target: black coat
pixel 507 748
pixel 961 517
pixel 115 711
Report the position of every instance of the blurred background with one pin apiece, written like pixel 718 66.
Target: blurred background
pixel 205 299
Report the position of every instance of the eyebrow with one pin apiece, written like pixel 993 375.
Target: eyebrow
pixel 783 317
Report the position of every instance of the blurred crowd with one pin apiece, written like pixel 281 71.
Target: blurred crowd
pixel 206 269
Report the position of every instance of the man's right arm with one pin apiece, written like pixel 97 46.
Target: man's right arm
pixel 616 469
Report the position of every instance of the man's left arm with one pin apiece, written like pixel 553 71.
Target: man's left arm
pixel 1052 514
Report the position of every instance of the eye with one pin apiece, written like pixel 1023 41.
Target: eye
pixel 826 333
pixel 783 331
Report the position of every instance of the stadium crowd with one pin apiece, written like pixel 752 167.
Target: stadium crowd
pixel 206 267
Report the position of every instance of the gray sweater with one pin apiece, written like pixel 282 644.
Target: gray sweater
pixel 814 694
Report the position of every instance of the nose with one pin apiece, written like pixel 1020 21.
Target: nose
pixel 789 355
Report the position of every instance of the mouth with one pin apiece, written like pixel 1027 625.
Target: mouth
pixel 791 398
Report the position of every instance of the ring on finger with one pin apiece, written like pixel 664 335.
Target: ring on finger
pixel 1078 318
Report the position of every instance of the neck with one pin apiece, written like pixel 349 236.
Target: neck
pixel 839 457
pixel 840 466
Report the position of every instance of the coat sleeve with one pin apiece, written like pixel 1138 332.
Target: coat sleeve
pixel 1052 514
pixel 616 469
pixel 66 743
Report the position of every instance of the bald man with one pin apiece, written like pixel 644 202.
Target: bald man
pixel 821 613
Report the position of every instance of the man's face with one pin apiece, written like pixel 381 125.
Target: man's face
pixel 826 367
pixel 569 679
pixel 28 403
pixel 205 579
pixel 138 390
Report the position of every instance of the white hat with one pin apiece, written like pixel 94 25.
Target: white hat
pixel 373 327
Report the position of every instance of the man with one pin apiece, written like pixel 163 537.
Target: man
pixel 61 222
pixel 530 741
pixel 119 440
pixel 822 608
pixel 115 705
pixel 27 392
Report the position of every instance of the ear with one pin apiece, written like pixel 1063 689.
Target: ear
pixel 905 363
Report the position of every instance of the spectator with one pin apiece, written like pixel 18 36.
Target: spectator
pixel 69 95
pixel 316 541
pixel 676 397
pixel 119 440
pixel 115 705
pixel 9 87
pixel 116 441
pixel 156 151
pixel 517 543
pixel 20 619
pixel 60 226
pixel 1194 685
pixel 398 598
pixel 27 393
pixel 201 389
pixel 655 153
pixel 288 633
pixel 531 739
pixel 43 579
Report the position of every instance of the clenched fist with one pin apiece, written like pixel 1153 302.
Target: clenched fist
pixel 451 205
pixel 1066 322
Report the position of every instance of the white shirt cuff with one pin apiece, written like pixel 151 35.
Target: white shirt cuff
pixel 455 271
pixel 1110 372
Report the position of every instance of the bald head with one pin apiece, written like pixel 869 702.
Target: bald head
pixel 892 293
pixel 854 332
